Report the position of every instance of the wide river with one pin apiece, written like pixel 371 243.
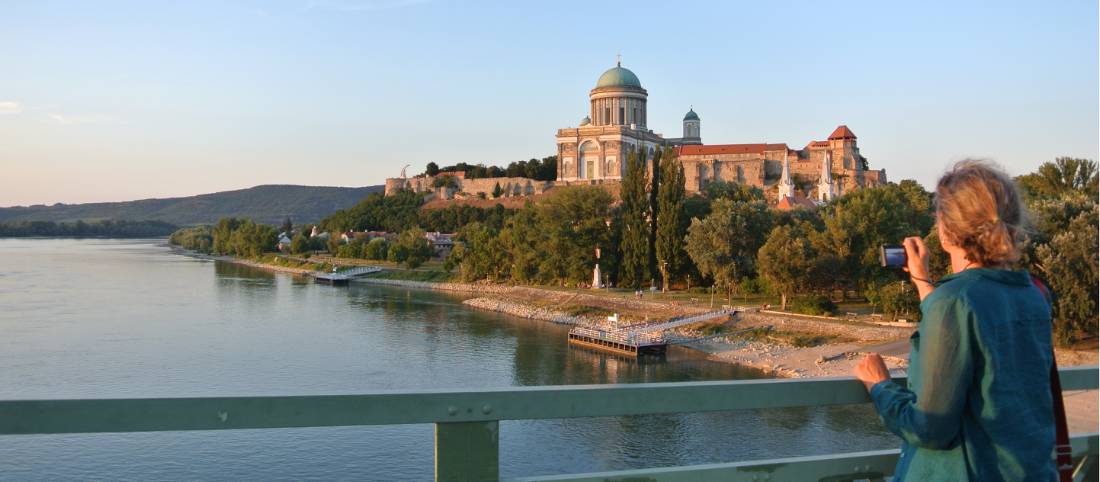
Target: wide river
pixel 129 318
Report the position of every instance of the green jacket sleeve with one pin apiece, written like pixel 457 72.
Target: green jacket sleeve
pixel 931 416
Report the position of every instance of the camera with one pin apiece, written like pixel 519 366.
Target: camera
pixel 893 256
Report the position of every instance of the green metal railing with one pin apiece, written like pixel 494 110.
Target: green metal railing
pixel 467 422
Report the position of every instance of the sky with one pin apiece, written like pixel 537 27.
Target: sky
pixel 112 101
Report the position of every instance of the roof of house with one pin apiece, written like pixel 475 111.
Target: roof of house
pixel 786 203
pixel 818 144
pixel 842 132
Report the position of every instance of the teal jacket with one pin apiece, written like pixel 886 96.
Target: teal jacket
pixel 978 404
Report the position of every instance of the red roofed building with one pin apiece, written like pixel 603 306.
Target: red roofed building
pixel 797 201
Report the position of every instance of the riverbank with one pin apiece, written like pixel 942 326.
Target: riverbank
pixel 770 341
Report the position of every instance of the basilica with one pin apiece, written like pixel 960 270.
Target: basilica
pixel 616 127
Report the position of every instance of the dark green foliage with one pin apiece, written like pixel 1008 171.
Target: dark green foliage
pixel 288 227
pixel 411 248
pixel 431 169
pixel 243 237
pixel 449 182
pixel 1066 175
pixel 899 300
pixel 552 242
pixel 733 191
pixel 671 222
pixel 540 170
pixel 787 260
pixel 81 229
pixel 393 213
pixel 635 242
pixel 299 244
pixel 497 191
pixel 267 204
pixel 377 249
pixel 1069 264
pixel 401 211
pixel 857 224
pixel 198 238
pixel 723 246
pixel 814 305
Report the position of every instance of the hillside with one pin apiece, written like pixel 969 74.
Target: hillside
pixel 267 204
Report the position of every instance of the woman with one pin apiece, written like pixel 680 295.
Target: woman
pixel 978 404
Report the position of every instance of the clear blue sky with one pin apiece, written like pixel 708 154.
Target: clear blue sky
pixel 125 100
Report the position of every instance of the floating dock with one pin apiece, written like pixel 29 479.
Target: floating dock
pixel 618 342
pixel 339 278
pixel 638 340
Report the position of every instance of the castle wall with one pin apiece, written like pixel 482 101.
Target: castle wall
pixel 510 186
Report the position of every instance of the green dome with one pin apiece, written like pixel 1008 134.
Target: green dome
pixel 691 115
pixel 618 77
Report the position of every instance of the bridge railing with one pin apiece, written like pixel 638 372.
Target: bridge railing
pixel 467 422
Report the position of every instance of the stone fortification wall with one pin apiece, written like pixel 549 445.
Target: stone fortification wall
pixel 510 186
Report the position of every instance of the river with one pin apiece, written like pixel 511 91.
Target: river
pixel 130 318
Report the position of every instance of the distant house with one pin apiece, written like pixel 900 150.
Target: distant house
pixel 795 201
pixel 284 242
pixel 442 243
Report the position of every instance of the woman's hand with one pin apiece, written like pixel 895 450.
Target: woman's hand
pixel 916 255
pixel 871 370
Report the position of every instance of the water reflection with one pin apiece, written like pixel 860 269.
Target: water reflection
pixel 123 318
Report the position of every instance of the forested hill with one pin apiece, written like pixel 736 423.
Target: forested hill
pixel 265 204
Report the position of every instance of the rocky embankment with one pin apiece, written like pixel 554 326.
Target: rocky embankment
pixel 524 310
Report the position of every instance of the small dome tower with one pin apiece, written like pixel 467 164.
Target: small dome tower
pixel 691 128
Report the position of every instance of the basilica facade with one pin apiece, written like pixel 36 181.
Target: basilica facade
pixel 616 127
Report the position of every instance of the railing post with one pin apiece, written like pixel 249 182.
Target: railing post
pixel 467 451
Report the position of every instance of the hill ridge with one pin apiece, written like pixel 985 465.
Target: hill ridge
pixel 266 203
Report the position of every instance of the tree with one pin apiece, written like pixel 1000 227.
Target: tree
pixel 671 228
pixel 651 215
pixel 447 181
pixel 857 224
pixel 725 243
pixel 412 248
pixel 1069 264
pixel 634 244
pixel 497 191
pixel 733 191
pixel 376 249
pixel 288 227
pixel 1063 176
pixel 299 244
pixel 785 259
pixel 431 169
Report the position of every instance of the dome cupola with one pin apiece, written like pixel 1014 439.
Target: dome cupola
pixel 618 76
pixel 618 99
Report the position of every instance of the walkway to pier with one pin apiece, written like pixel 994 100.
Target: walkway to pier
pixel 342 277
pixel 678 322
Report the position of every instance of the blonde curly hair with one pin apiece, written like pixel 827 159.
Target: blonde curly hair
pixel 979 208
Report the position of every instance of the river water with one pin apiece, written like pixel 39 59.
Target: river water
pixel 126 318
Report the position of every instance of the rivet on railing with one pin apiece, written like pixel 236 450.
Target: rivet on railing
pixel 452 410
pixel 223 416
pixel 486 409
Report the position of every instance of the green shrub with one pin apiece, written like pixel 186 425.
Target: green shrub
pixel 814 305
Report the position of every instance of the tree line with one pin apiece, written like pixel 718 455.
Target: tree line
pixel 230 236
pixel 729 239
pixel 80 229
pixel 401 210
pixel 545 169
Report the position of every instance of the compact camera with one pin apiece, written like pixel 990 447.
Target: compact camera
pixel 893 256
